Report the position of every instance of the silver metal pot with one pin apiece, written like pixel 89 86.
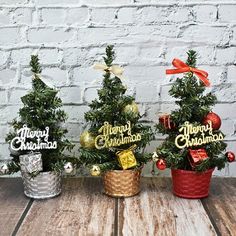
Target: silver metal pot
pixel 44 185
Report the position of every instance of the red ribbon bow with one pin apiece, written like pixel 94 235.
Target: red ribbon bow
pixel 182 67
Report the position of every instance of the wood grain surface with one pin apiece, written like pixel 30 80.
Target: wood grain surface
pixel 80 210
pixel 221 205
pixel 12 204
pixel 157 212
pixel 83 210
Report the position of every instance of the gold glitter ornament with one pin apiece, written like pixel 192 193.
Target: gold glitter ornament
pixel 131 109
pixel 95 170
pixel 87 140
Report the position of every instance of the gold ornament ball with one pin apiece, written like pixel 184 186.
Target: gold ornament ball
pixel 95 170
pixel 87 140
pixel 131 109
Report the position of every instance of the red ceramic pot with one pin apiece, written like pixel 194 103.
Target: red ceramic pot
pixel 191 184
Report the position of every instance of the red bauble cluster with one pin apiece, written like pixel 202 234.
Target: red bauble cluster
pixel 230 156
pixel 213 118
pixel 161 164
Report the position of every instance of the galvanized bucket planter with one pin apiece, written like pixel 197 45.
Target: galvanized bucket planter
pixel 44 185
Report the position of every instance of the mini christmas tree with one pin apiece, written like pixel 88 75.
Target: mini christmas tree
pixel 116 139
pixel 194 141
pixel 41 111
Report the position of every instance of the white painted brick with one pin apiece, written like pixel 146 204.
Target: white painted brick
pixel 70 95
pixel 146 73
pixel 225 92
pixel 206 34
pixel 56 2
pixel 127 54
pixel 4 56
pixel 216 74
pixel 103 16
pixel 49 35
pixel 21 55
pixel 57 76
pixel 74 56
pixel 179 14
pixel 4 129
pixel 221 109
pixel 4 16
pixel 74 130
pixel 146 92
pixel 150 54
pixel 8 113
pixel 53 16
pixel 78 16
pixel 106 2
pixel 227 127
pixel 15 96
pixel 94 35
pixel 205 13
pixel 6 76
pixel 25 80
pixel 75 113
pixel 86 75
pixel 9 35
pixel 164 94
pixel 226 55
pixel 166 108
pixel 148 15
pixel 126 15
pixel 49 56
pixel 227 13
pixel 151 112
pixel 3 98
pixel 9 2
pixel 22 16
pixel 231 74
pixel 5 154
pixel 90 94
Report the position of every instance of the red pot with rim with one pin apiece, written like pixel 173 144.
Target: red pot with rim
pixel 191 184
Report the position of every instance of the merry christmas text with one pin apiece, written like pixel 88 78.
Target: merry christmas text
pixel 105 140
pixel 206 135
pixel 24 140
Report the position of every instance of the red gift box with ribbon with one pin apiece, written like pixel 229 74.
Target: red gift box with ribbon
pixel 165 120
pixel 197 156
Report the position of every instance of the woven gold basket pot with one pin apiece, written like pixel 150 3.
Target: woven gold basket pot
pixel 122 183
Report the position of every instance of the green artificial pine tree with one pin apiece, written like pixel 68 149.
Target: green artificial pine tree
pixel 41 109
pixel 116 108
pixel 193 106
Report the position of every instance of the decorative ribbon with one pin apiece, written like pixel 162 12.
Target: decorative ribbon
pixel 115 70
pixel 182 67
pixel 44 79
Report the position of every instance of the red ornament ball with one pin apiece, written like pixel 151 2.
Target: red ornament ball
pixel 230 156
pixel 161 164
pixel 213 118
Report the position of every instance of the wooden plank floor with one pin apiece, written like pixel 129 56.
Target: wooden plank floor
pixel 82 209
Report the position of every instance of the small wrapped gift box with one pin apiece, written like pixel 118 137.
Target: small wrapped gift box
pixel 31 162
pixel 165 120
pixel 126 159
pixel 197 156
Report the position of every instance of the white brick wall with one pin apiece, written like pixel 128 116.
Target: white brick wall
pixel 70 35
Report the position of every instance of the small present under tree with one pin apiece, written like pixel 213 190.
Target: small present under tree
pixel 40 113
pixel 194 141
pixel 116 139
